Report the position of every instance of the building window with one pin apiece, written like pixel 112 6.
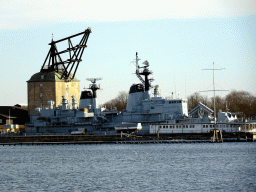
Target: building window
pixel 42 76
pixel 41 95
pixel 41 85
pixel 1 121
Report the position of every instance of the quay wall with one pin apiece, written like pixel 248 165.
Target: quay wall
pixel 112 138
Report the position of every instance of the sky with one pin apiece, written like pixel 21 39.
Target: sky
pixel 178 38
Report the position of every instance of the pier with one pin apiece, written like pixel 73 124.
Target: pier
pixel 214 137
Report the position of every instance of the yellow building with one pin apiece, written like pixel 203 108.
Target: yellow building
pixel 46 86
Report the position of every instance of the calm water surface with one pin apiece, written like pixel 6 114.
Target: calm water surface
pixel 148 167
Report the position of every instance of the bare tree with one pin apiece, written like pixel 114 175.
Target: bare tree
pixel 242 101
pixel 119 103
pixel 193 100
pixel 235 101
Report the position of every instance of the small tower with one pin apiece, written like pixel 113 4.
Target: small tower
pixel 57 75
pixel 88 98
pixel 139 92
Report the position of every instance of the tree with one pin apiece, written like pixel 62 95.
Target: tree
pixel 219 104
pixel 236 101
pixel 242 101
pixel 193 100
pixel 119 103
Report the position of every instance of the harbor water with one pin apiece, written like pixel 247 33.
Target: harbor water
pixel 129 167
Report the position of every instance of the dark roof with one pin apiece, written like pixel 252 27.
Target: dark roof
pixel 49 76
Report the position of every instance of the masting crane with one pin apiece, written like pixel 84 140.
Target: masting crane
pixel 67 68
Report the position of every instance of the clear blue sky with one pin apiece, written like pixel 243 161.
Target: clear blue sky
pixel 179 39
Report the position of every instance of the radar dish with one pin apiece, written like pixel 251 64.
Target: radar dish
pixel 146 63
pixel 93 80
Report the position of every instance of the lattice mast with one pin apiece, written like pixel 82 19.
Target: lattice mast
pixel 145 72
pixel 54 62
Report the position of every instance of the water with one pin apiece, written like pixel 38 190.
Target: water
pixel 148 167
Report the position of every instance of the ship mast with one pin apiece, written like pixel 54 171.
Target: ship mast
pixel 145 72
pixel 214 90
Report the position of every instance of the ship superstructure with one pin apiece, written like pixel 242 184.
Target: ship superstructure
pixel 143 108
pixel 144 114
pixel 68 117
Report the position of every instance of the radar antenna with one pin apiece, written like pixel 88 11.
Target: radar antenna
pixel 146 72
pixel 54 62
pixel 94 87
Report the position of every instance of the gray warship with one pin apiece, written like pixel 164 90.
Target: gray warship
pixel 145 113
pixel 142 109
